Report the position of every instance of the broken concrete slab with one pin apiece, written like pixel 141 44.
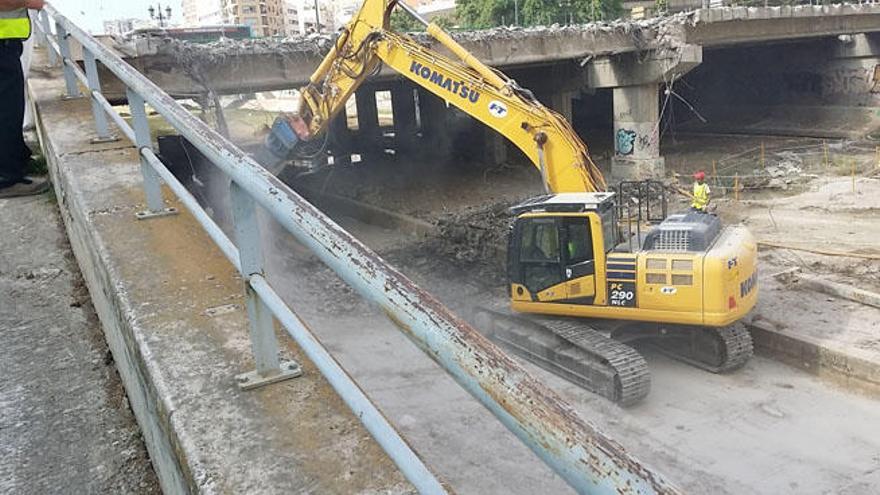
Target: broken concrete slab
pixel 835 289
pixel 853 369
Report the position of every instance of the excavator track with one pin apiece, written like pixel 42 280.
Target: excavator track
pixel 717 350
pixel 574 351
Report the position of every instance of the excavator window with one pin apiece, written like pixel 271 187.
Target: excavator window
pixel 539 254
pixel 540 241
pixel 579 245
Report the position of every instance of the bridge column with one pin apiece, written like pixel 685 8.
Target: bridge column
pixel 341 139
pixel 637 133
pixel 405 127
pixel 494 147
pixel 635 80
pixel 369 138
pixel 435 137
pixel 562 103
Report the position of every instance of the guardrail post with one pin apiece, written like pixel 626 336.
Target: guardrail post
pixel 41 39
pixel 152 186
pixel 264 343
pixel 69 76
pixel 43 17
pixel 104 135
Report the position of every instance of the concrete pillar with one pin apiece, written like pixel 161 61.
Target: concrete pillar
pixel 436 142
pixel 561 102
pixel 341 139
pixel 369 137
pixel 637 133
pixel 404 104
pixel 494 147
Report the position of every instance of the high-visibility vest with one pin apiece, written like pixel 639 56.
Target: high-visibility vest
pixel 15 25
pixel 701 196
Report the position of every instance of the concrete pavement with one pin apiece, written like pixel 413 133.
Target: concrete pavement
pixel 65 423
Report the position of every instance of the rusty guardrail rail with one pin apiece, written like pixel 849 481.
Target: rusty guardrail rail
pixel 582 455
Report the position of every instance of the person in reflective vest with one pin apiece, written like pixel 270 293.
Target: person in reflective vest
pixel 15 27
pixel 702 193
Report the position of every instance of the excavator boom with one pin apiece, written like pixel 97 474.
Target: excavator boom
pixel 485 94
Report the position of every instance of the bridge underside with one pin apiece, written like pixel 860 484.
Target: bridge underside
pixel 621 82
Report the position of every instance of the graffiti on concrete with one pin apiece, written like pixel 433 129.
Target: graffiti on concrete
pixel 803 82
pixel 847 81
pixel 625 142
pixel 875 88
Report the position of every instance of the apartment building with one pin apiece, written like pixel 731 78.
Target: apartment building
pixel 265 17
pixel 202 13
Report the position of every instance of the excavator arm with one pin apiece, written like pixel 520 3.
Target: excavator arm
pixel 478 90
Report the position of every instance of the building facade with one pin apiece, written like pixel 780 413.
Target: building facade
pixel 122 27
pixel 301 19
pixel 264 17
pixel 202 13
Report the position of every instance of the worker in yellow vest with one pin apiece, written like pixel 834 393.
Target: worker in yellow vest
pixel 701 196
pixel 15 27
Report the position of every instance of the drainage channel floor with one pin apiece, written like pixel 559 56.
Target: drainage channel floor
pixel 768 428
pixel 65 423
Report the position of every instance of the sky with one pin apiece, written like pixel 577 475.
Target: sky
pixel 91 14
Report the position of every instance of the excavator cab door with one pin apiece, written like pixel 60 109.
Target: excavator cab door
pixel 539 256
pixel 551 259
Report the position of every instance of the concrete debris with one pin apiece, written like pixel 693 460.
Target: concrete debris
pixel 620 26
pixel 475 234
pixel 221 51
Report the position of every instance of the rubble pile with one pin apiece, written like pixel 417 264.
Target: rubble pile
pixel 475 234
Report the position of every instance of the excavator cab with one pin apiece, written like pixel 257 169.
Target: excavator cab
pixel 556 244
pixel 568 255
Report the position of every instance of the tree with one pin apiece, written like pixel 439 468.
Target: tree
pixel 479 14
pixel 540 12
pixel 605 10
pixel 404 23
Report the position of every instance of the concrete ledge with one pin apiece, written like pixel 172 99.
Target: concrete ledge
pixel 843 367
pixel 171 310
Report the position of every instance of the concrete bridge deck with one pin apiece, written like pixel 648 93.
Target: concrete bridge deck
pixel 250 66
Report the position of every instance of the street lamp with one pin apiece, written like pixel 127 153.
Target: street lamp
pixel 317 17
pixel 161 17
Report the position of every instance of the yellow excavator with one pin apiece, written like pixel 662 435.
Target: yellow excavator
pixel 580 289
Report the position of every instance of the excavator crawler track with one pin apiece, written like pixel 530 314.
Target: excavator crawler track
pixel 717 350
pixel 574 351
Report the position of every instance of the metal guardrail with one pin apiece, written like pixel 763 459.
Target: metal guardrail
pixel 587 459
